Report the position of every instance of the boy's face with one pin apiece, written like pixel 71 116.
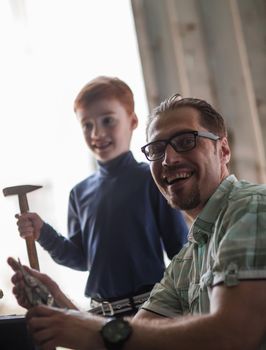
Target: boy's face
pixel 107 128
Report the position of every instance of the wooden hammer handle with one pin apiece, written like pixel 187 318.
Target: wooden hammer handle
pixel 23 203
pixel 30 242
pixel 32 253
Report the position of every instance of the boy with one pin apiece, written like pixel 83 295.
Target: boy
pixel 117 219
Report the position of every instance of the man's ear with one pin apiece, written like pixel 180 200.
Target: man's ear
pixel 225 151
pixel 134 121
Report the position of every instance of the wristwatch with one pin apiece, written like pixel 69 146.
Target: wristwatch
pixel 115 333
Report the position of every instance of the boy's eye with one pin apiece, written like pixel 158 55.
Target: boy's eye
pixel 108 121
pixel 87 127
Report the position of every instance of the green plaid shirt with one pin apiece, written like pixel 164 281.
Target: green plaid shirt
pixel 227 243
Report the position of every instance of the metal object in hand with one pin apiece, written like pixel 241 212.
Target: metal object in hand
pixel 36 292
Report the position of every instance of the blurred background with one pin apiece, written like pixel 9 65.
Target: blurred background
pixel 211 49
pixel 49 50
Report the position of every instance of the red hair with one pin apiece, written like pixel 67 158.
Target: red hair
pixel 104 87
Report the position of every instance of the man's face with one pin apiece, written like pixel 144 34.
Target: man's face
pixel 188 179
pixel 107 128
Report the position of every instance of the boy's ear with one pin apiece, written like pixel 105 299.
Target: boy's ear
pixel 134 121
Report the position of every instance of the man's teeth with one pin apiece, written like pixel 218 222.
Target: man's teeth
pixel 178 177
pixel 183 175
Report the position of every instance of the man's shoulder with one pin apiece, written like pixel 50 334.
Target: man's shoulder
pixel 244 189
pixel 244 199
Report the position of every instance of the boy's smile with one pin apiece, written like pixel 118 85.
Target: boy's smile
pixel 107 128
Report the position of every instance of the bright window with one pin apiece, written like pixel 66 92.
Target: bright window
pixel 49 50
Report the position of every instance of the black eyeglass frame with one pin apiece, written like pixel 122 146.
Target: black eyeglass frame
pixel 205 134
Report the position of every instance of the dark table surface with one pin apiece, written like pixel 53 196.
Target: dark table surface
pixel 13 333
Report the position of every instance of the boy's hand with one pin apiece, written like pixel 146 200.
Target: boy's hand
pixel 29 224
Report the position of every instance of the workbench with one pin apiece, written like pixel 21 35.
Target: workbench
pixel 13 333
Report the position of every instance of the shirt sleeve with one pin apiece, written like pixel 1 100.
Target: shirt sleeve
pixel 170 297
pixel 163 299
pixel 63 250
pixel 241 252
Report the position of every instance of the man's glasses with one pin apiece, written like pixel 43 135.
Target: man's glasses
pixel 181 142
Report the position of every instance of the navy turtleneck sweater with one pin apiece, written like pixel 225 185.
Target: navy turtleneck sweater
pixel 118 226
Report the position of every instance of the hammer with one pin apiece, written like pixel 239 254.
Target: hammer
pixel 22 191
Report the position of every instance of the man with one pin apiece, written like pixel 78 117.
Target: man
pixel 212 295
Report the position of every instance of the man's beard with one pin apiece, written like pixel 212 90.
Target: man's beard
pixel 188 202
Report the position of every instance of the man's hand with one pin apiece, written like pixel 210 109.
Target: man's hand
pixel 21 285
pixel 51 327
pixel 29 225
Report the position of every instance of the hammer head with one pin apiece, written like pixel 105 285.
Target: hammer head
pixel 19 190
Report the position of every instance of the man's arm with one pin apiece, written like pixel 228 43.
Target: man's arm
pixel 147 315
pixel 19 291
pixel 237 321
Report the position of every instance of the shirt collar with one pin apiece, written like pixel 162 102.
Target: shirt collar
pixel 203 225
pixel 114 166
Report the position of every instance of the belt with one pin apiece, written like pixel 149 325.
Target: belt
pixel 107 308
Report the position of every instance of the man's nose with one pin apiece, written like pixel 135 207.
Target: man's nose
pixel 171 156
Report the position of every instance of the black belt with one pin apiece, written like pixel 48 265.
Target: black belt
pixel 107 308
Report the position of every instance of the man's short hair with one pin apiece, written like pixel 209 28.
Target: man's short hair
pixel 209 117
pixel 104 87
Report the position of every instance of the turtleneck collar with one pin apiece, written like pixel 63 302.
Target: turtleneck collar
pixel 114 166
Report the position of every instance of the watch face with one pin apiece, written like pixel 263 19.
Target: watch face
pixel 116 331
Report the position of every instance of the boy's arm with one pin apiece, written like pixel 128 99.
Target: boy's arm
pixel 64 251
pixel 67 251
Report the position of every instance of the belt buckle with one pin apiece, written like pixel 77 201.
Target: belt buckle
pixel 107 308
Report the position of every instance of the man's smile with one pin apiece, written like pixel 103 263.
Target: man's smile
pixel 180 176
